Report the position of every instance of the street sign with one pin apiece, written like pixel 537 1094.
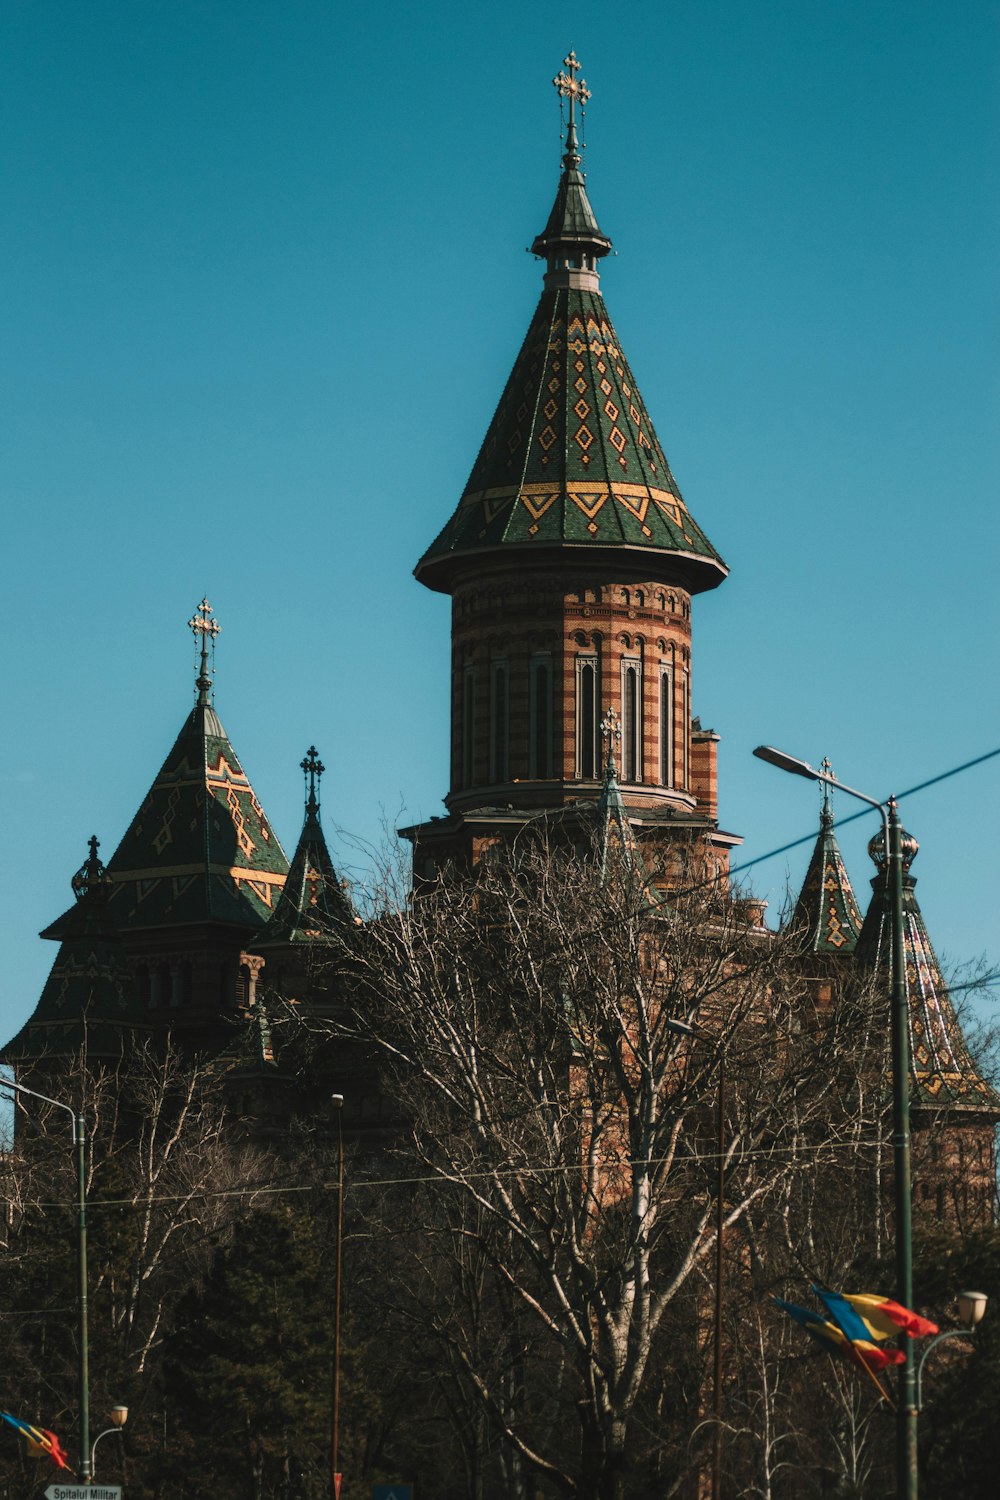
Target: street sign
pixel 84 1492
pixel 392 1492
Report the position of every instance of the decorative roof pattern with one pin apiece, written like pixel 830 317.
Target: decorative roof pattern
pixel 88 1000
pixel 200 848
pixel 942 1070
pixel 571 458
pixel 312 907
pixel 827 909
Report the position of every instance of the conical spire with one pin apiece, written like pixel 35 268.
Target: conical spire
pixel 200 848
pixel 943 1073
pixel 571 460
pixel 827 910
pixel 619 851
pixel 312 907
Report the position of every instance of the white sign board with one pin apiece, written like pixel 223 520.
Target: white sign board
pixel 84 1492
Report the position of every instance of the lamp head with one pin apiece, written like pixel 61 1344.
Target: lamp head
pixel 971 1306
pixel 787 762
pixel 337 1101
pixel 119 1416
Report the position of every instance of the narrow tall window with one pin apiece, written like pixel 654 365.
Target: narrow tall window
pixel 468 726
pixel 498 721
pixel 666 728
pixel 686 727
pixel 541 717
pixel 587 714
pixel 631 719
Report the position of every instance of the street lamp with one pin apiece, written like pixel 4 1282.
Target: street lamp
pixel 119 1416
pixel 971 1306
pixel 906 1414
pixel 337 1101
pixel 79 1142
pixel 683 1028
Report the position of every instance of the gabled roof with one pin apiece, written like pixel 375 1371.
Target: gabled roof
pixel 312 907
pixel 827 910
pixel 571 458
pixel 88 1000
pixel 941 1067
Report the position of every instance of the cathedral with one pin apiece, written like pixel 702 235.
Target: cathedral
pixel 572 562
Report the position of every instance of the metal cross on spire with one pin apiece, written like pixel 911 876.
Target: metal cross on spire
pixel 313 769
pixel 572 88
pixel 204 627
pixel 611 733
pixel 827 770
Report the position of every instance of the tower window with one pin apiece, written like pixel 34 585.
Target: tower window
pixel 587 715
pixel 468 726
pixel 631 719
pixel 541 716
pixel 666 728
pixel 686 701
pixel 498 721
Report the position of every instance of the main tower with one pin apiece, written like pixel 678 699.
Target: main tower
pixel 571 562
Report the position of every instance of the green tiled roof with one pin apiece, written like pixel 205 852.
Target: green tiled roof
pixel 942 1070
pixel 571 458
pixel 89 999
pixel 200 848
pixel 827 909
pixel 312 907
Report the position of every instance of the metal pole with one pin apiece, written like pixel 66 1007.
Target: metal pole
pixel 906 1413
pixel 335 1492
pixel 80 1138
pixel 720 1225
pixel 79 1142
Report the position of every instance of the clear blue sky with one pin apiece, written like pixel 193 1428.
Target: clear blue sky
pixel 264 278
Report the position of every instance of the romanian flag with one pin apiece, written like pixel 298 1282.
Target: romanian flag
pixel 39 1439
pixel 884 1318
pixel 835 1341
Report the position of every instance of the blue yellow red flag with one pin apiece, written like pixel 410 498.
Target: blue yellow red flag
pixel 38 1439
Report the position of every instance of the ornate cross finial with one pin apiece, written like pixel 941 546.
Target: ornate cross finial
pixel 91 875
pixel 568 86
pixel 611 733
pixel 204 627
pixel 827 769
pixel 313 768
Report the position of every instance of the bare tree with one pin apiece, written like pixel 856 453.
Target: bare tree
pixel 566 1127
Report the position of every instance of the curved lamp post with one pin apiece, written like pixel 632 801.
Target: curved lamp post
pixel 906 1414
pixel 971 1306
pixel 119 1416
pixel 79 1142
pixel 337 1101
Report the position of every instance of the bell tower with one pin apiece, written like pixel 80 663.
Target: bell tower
pixel 571 562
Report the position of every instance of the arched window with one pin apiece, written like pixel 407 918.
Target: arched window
pixel 666 726
pixel 587 716
pixel 686 727
pixel 498 721
pixel 540 712
pixel 631 719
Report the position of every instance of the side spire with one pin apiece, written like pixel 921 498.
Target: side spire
pixel 204 627
pixel 312 768
pixel 942 1070
pixel 827 910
